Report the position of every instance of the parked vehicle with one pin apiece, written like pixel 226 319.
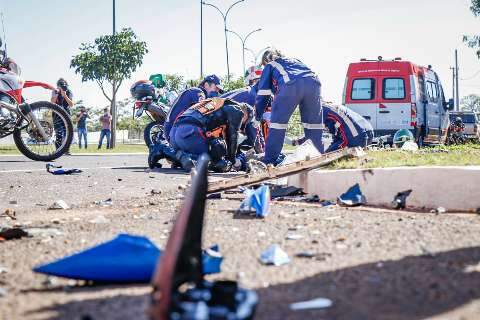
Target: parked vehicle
pixel 42 131
pixel 471 122
pixel 396 94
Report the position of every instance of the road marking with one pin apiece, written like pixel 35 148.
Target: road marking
pixel 36 170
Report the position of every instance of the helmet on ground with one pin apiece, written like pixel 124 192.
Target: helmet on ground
pixel 402 136
pixel 271 55
pixel 142 89
pixel 253 73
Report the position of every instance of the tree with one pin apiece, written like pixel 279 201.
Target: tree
pixel 175 82
pixel 474 41
pixel 471 103
pixel 109 60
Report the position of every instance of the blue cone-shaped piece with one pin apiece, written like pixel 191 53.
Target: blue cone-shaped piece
pixel 353 197
pixel 259 200
pixel 125 259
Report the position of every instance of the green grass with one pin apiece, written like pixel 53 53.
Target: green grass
pixel 464 155
pixel 92 149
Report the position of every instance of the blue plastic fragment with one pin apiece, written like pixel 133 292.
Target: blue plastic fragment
pixel 124 259
pixel 353 197
pixel 259 200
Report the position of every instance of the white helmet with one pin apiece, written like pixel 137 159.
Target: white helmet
pixel 253 73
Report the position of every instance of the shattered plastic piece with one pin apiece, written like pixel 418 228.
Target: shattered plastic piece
pixel 294 237
pixel 353 197
pixel 278 192
pixel 99 219
pixel 400 200
pixel 59 205
pixel 105 203
pixel 217 195
pixel 155 191
pixel 3 292
pixel 274 255
pixel 319 303
pixel 441 210
pixel 259 200
pixel 12 233
pixel 50 166
pixel 410 146
pixel 124 259
pixel 10 213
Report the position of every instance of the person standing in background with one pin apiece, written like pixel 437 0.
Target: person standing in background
pixel 63 97
pixel 82 126
pixel 106 121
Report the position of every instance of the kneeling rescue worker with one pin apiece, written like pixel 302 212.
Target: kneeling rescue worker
pixel 348 128
pixel 209 87
pixel 292 83
pixel 212 127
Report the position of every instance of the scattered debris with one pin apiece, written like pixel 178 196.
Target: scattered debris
pixel 105 203
pixel 319 303
pixel 294 237
pixel 59 205
pixel 213 196
pixel 61 171
pixel 155 192
pixel 274 255
pixel 10 213
pixel 280 192
pixel 400 200
pixel 13 202
pixel 99 220
pixel 353 197
pixel 439 210
pixel 124 259
pixel 310 255
pixel 12 233
pixel 258 199
pixel 3 292
pixel 43 232
pixel 3 270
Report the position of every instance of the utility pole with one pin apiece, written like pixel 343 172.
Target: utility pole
pixel 201 39
pixel 453 82
pixel 113 108
pixel 457 96
pixel 225 16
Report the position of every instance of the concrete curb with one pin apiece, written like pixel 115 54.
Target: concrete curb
pixel 454 188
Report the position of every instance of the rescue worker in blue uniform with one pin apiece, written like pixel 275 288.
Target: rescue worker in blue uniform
pixel 247 95
pixel 292 83
pixel 212 127
pixel 348 128
pixel 209 87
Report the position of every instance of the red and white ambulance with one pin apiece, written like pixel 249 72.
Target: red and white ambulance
pixel 396 94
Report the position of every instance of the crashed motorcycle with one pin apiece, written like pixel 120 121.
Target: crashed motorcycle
pixel 146 102
pixel 42 131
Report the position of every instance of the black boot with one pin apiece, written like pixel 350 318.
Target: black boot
pixel 220 166
pixel 185 160
pixel 154 155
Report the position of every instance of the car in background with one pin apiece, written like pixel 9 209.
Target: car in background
pixel 471 122
pixel 396 94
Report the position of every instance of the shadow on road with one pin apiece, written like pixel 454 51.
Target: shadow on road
pixel 415 287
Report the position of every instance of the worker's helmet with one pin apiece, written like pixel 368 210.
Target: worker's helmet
pixel 253 73
pixel 271 55
pixel 142 89
pixel 458 119
pixel 402 136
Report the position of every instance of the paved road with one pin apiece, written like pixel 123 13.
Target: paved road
pixel 25 184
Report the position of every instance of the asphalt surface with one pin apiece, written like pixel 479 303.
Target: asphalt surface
pixel 26 184
pixel 371 263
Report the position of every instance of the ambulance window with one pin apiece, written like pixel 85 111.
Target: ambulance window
pixel 393 88
pixel 363 89
pixel 432 91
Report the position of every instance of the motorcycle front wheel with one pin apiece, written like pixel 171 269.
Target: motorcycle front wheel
pixel 152 133
pixel 58 128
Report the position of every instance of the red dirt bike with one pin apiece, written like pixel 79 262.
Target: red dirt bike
pixel 42 131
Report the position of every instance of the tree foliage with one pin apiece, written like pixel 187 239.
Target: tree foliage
pixel 471 103
pixel 110 59
pixel 473 41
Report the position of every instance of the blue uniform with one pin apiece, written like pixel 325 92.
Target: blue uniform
pixel 184 101
pixel 246 95
pixel 348 128
pixel 292 83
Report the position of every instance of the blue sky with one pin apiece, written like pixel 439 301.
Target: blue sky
pixel 43 35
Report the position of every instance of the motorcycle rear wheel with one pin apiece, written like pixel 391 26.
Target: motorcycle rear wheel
pixel 152 132
pixel 56 123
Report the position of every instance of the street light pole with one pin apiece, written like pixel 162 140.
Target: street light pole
pixel 225 16
pixel 244 40
pixel 113 107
